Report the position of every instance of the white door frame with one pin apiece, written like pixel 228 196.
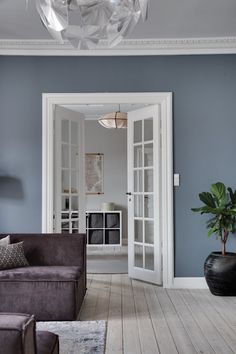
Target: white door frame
pixel 164 99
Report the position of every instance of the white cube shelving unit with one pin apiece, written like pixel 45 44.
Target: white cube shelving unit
pixel 104 228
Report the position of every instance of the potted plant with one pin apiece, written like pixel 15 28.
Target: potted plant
pixel 220 267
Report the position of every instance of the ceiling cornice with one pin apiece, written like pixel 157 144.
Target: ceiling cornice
pixel 178 46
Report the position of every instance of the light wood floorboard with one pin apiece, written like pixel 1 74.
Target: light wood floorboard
pixel 114 327
pixel 147 319
pixel 131 340
pixel 146 331
pixel 195 333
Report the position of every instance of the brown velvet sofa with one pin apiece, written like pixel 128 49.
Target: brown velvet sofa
pixel 52 288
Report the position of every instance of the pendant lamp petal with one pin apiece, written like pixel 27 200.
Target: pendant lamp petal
pixel 109 20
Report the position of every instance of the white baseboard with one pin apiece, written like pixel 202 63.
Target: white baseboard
pixel 190 283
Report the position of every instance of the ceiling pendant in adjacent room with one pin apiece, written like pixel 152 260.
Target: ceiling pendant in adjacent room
pixel 114 120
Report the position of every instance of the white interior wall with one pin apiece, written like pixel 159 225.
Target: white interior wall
pixel 113 144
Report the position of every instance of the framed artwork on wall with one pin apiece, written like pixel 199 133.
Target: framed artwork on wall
pixel 94 166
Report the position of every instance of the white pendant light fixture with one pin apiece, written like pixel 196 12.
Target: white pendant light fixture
pixel 85 23
pixel 114 120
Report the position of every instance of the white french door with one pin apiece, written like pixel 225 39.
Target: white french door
pixel 69 172
pixel 144 204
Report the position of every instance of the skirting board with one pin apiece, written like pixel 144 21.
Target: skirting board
pixel 190 283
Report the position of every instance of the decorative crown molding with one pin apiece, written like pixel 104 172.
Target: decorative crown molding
pixel 178 46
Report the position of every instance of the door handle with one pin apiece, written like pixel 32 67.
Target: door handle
pixel 128 193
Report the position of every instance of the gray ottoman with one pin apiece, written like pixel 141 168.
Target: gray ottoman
pixel 18 336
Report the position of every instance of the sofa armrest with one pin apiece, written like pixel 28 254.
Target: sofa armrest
pixel 17 333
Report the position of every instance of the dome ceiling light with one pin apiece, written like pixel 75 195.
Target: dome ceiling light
pixel 84 23
pixel 114 120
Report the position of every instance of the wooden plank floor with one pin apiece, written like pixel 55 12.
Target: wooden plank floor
pixel 143 318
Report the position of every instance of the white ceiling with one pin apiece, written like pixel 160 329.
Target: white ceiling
pixel 167 19
pixel 93 112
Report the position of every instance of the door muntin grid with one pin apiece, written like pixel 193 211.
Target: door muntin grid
pixel 143 191
pixel 69 176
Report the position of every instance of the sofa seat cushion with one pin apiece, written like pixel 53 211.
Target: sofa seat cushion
pixel 42 273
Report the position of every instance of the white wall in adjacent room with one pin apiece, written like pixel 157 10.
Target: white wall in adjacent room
pixel 113 144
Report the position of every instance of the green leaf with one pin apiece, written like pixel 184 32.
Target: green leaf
pixel 212 223
pixel 207 198
pixel 232 195
pixel 207 210
pixel 196 209
pixel 204 209
pixel 213 219
pixel 218 190
pixel 224 201
pixel 211 231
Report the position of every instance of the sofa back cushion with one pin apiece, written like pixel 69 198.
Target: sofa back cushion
pixel 53 249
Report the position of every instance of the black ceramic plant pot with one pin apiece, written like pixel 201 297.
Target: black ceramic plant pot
pixel 220 273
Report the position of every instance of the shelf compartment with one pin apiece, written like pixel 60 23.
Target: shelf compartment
pixel 112 237
pixel 95 220
pixel 112 221
pixel 95 237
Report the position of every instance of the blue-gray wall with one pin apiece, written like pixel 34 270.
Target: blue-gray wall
pixel 204 90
